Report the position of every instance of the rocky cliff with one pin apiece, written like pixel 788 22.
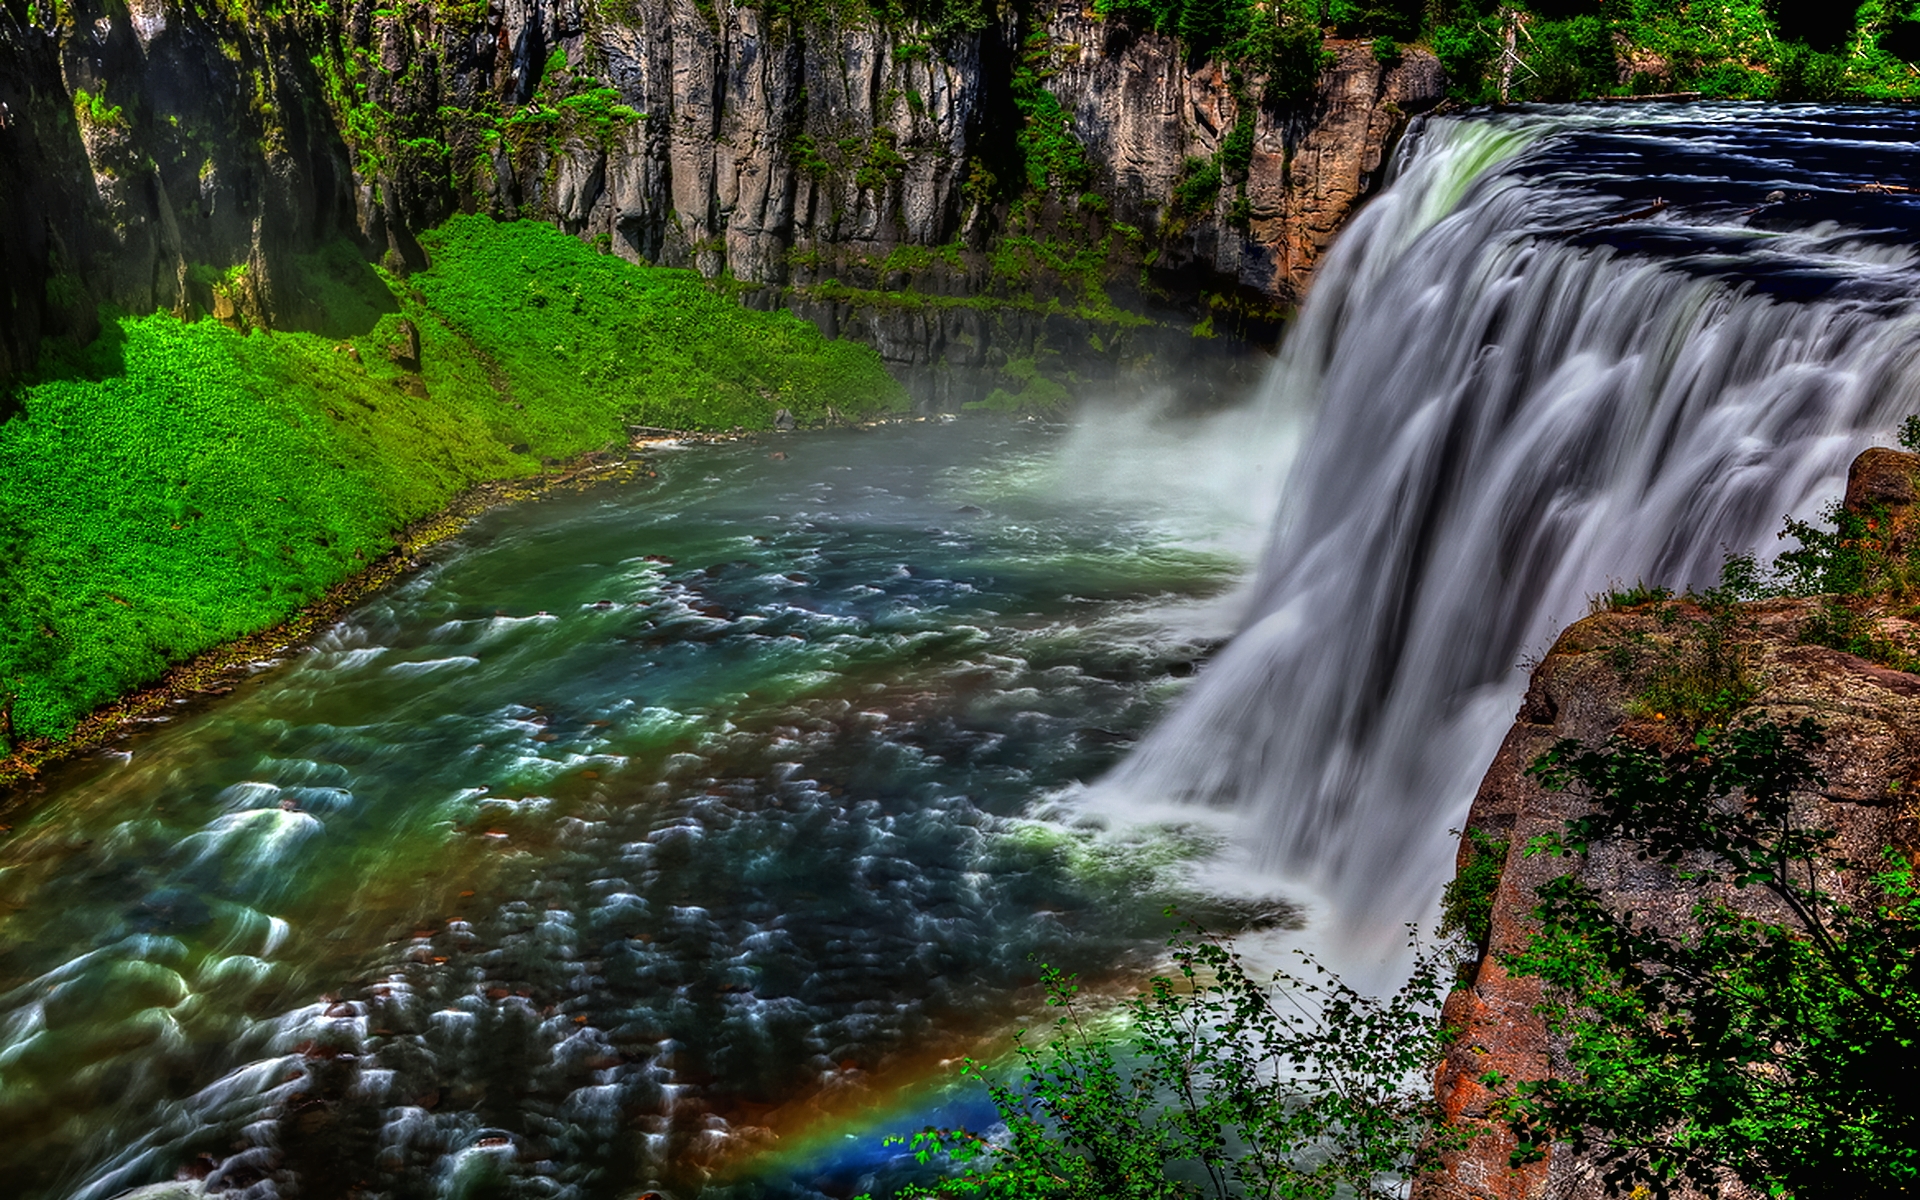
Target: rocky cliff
pixel 1031 194
pixel 1587 688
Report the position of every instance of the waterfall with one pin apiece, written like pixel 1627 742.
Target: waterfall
pixel 1538 367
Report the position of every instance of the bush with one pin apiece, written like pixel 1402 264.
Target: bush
pixel 1197 188
pixel 1467 50
pixel 1283 44
pixel 1802 73
pixel 1217 1084
pixel 1779 1047
pixel 1569 60
pixel 1466 904
pixel 1397 19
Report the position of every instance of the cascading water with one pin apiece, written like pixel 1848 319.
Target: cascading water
pixel 664 835
pixel 1563 349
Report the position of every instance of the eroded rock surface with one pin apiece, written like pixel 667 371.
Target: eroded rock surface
pixel 1585 689
pixel 186 157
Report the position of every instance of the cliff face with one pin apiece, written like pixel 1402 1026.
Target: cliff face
pixel 187 156
pixel 1584 689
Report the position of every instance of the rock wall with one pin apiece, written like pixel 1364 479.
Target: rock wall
pixel 185 156
pixel 1583 690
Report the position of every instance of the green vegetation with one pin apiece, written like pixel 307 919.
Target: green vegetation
pixel 1278 42
pixel 1859 567
pixel 1050 154
pixel 176 484
pixel 1466 904
pixel 93 110
pixel 1744 49
pixel 1778 1043
pixel 1214 1083
pixel 1701 674
pixel 1773 1042
pixel 1037 392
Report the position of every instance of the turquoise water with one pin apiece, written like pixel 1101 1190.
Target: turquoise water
pixel 648 838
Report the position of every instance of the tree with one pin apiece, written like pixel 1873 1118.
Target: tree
pixel 1779 1039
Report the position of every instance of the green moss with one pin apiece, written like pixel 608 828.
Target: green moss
pixel 177 484
pixel 1053 157
pixel 1194 191
pixel 92 109
pixel 1037 393
pixel 880 161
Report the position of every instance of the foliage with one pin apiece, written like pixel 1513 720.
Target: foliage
pixel 1397 19
pixel 1568 59
pixel 1466 903
pixel 93 110
pixel 1236 149
pixel 1778 1043
pixel 1037 394
pixel 1280 42
pixel 1217 1084
pixel 1050 154
pixel 1803 73
pixel 1633 597
pixel 177 484
pixel 1737 49
pixel 1467 49
pixel 1197 187
pixel 1848 566
pixel 881 163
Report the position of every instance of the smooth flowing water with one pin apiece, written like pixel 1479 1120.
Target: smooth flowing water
pixel 1566 349
pixel 678 834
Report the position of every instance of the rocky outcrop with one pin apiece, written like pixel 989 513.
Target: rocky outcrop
pixel 1584 689
pixel 191 157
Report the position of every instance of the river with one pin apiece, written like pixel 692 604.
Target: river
pixel 679 834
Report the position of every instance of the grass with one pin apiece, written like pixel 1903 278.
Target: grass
pixel 175 485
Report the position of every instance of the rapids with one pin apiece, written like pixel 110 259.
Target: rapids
pixel 678 834
pixel 646 829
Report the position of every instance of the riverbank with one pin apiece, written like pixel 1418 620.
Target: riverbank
pixel 179 486
pixel 217 671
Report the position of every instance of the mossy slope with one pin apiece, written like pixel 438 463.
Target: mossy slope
pixel 178 484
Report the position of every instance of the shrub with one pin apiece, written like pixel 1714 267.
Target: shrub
pixel 1217 1084
pixel 1466 50
pixel 1779 1047
pixel 1803 73
pixel 1199 184
pixel 1466 903
pixel 1569 60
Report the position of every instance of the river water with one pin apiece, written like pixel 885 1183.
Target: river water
pixel 678 834
pixel 645 830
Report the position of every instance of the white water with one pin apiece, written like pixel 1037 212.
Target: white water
pixel 1509 419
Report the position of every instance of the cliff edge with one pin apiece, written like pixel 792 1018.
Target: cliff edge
pixel 943 194
pixel 1601 679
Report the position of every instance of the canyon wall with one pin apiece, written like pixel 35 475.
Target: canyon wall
pixel 197 157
